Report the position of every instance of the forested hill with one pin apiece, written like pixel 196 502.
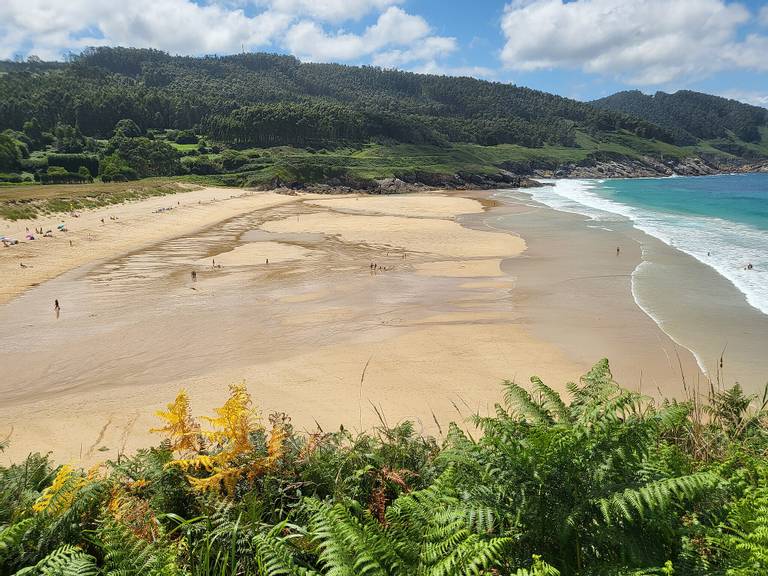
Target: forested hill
pixel 266 99
pixel 265 120
pixel 691 115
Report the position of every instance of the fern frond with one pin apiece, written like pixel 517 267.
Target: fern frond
pixel 66 560
pixel 552 401
pixel 520 402
pixel 630 504
pixel 274 556
pixel 61 493
pixel 11 536
pixel 181 428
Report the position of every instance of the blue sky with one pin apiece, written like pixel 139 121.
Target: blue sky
pixel 584 49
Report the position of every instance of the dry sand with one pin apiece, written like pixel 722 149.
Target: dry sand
pixel 398 233
pixel 257 254
pixel 413 206
pixel 135 329
pixel 126 227
pixel 462 268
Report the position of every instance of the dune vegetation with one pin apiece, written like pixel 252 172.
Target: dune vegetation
pixel 604 481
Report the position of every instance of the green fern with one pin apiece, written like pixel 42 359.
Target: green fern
pixel 11 537
pixel 539 568
pixel 66 560
pixel 631 504
pixel 127 555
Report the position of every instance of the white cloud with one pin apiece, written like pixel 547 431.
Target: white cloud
pixel 427 50
pixel 643 42
pixel 177 25
pixel 48 28
pixel 748 97
pixel 396 38
pixel 433 67
pixel 763 15
pixel 329 10
pixel 309 29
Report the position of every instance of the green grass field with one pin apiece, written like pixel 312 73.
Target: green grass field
pixel 367 162
pixel 28 201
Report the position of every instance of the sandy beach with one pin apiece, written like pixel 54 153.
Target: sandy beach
pixel 439 298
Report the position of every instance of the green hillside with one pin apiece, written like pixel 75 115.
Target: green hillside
pixel 728 125
pixel 120 114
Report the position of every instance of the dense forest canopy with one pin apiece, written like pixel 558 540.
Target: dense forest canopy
pixel 691 115
pixel 260 119
pixel 266 99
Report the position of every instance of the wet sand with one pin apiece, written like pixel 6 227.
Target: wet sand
pixel 463 304
pixel 575 291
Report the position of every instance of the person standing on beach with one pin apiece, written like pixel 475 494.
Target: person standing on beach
pixel 618 250
pixel 56 308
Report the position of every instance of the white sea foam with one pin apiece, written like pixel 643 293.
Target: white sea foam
pixel 726 246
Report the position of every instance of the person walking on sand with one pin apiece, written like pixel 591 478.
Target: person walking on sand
pixel 618 250
pixel 56 308
pixel 194 276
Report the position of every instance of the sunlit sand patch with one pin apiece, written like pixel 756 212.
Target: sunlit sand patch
pixel 305 297
pixel 481 285
pixel 321 316
pixel 394 233
pixel 461 268
pixel 257 253
pixel 461 317
pixel 427 206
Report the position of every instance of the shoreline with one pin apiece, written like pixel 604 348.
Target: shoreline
pixel 660 322
pixel 449 319
pixel 716 322
pixel 583 257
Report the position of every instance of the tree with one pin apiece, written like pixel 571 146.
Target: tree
pixel 68 139
pixel 145 157
pixel 34 132
pixel 10 155
pixel 127 128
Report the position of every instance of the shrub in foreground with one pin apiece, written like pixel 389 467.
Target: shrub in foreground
pixel 603 482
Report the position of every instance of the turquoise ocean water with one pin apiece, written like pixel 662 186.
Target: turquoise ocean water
pixel 722 221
